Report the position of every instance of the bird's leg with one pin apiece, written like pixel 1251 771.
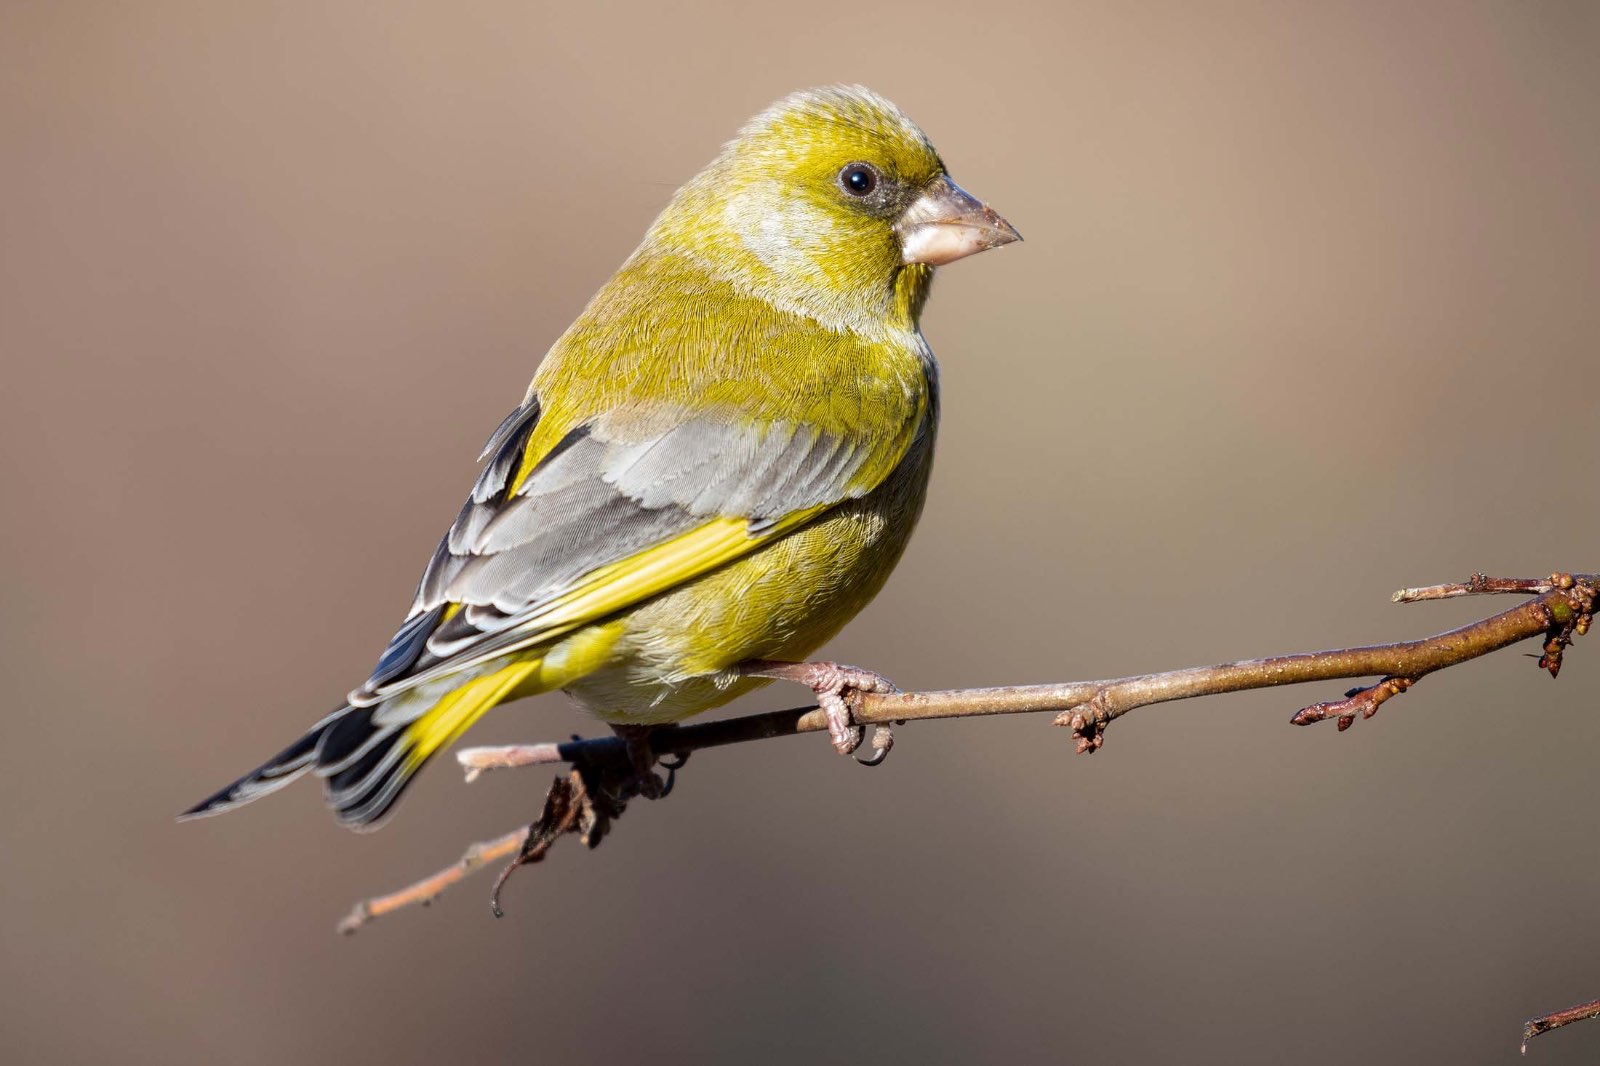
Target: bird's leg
pixel 832 683
pixel 643 760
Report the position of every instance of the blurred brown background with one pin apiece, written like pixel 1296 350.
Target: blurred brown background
pixel 1308 310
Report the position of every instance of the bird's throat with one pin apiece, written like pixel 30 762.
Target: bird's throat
pixel 911 286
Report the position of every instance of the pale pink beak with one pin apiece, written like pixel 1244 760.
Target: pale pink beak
pixel 947 223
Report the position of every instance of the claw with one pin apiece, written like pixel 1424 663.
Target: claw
pixel 671 764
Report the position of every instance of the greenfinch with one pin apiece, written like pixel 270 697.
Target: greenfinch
pixel 714 469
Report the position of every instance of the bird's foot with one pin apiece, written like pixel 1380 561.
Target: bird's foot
pixel 643 759
pixel 836 687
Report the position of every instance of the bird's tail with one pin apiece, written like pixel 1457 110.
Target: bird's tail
pixel 367 755
pixel 271 775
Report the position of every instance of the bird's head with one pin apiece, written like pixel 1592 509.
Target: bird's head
pixel 831 203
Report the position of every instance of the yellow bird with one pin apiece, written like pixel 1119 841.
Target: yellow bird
pixel 715 467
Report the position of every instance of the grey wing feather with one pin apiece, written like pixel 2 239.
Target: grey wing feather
pixel 608 490
pixel 752 471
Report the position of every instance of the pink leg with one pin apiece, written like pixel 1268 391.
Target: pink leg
pixel 831 682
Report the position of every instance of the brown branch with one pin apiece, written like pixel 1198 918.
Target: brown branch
pixel 428 889
pixel 1556 1019
pixel 1478 585
pixel 476 760
pixel 602 779
pixel 1089 706
pixel 1362 701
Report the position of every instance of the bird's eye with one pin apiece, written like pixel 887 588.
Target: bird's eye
pixel 858 179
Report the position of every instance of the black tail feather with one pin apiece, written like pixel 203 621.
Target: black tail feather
pixel 271 775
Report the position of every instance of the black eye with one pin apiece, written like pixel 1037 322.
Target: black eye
pixel 858 179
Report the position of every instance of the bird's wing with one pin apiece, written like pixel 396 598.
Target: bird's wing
pixel 622 508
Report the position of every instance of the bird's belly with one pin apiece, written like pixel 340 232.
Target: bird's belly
pixel 675 656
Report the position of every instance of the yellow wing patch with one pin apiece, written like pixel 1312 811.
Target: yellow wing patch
pixel 653 571
pixel 618 586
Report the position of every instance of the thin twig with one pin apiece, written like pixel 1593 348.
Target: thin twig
pixel 428 889
pixel 1358 701
pixel 1478 585
pixel 476 760
pixel 1556 1019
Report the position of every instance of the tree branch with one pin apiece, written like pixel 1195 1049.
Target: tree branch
pixel 428 889
pixel 1556 1019
pixel 1477 585
pixel 1088 707
pixel 603 777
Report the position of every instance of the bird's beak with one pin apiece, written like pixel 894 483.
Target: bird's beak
pixel 947 223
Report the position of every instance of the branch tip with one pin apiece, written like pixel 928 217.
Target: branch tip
pixel 424 892
pixel 1357 701
pixel 476 761
pixel 1556 1019
pixel 1481 584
